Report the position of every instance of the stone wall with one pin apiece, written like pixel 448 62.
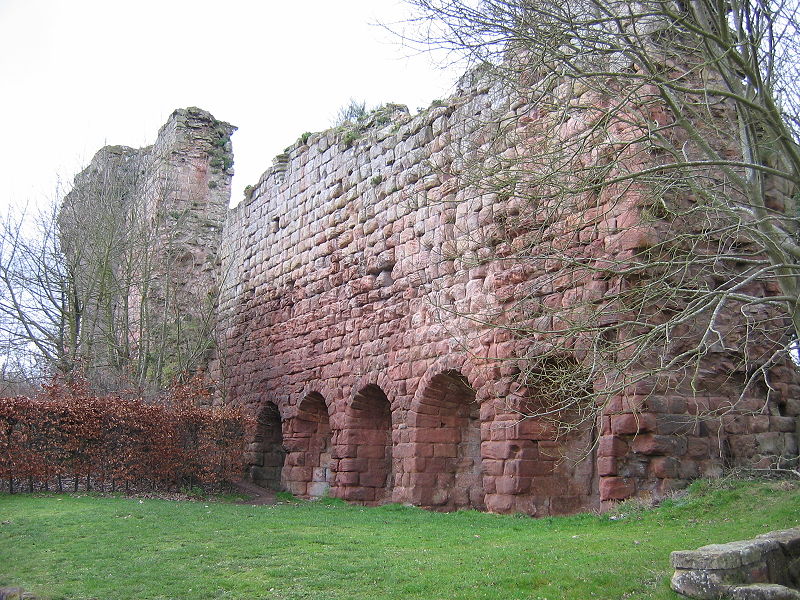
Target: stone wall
pixel 364 286
pixel 371 291
pixel 342 306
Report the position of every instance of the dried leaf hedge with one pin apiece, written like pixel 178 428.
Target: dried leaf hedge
pixel 66 439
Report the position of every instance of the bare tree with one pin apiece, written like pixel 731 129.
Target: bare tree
pixel 89 284
pixel 645 166
pixel 37 296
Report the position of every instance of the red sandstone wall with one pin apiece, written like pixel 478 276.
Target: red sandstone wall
pixel 353 278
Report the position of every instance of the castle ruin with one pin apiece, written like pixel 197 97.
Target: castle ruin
pixel 357 293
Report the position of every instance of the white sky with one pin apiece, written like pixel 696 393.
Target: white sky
pixel 76 75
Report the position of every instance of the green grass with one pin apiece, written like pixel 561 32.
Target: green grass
pixel 119 548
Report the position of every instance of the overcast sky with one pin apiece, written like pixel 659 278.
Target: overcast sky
pixel 79 74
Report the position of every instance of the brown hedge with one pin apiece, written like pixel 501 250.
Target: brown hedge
pixel 66 439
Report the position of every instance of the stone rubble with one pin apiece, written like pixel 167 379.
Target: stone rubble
pixel 764 568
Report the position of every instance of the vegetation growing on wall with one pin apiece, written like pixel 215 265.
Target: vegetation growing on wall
pixel 353 120
pixel 221 155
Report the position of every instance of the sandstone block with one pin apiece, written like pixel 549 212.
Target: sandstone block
pixel 499 503
pixel 492 466
pixel 611 445
pixel 415 464
pixel 616 488
pixel 319 473
pixel 445 450
pixel 357 494
pixel 298 473
pixel 631 403
pixel 425 480
pixel 606 465
pixel 664 467
pixel 346 478
pixel 532 429
pixel 298 488
pixel 688 469
pixel 652 444
pixel 352 464
pixel 528 468
pixel 498 450
pixel 566 505
pixel 513 485
pixel 368 451
pixel 317 489
pixel 298 425
pixel 440 435
pixel 783 424
pixel 697 447
pixel 626 424
pixel 373 479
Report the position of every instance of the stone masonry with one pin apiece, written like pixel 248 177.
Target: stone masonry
pixel 363 292
pixel 353 274
pixel 339 271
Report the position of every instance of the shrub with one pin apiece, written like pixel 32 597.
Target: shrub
pixel 66 439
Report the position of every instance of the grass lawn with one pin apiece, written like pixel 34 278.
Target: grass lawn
pixel 121 548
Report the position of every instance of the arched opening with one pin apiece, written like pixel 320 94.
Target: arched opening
pixel 266 454
pixel 311 430
pixel 364 471
pixel 447 445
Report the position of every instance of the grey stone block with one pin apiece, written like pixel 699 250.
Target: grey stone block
pixel 763 591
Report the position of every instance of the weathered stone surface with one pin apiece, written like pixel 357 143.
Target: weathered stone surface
pixel 701 584
pixel 722 556
pixel 789 539
pixel 763 591
pixel 155 214
pixel 760 569
pixel 356 270
pixel 365 290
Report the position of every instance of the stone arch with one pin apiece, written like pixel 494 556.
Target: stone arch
pixel 364 446
pixel 476 375
pixel 445 443
pixel 309 441
pixel 266 454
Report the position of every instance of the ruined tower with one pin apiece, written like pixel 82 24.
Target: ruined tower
pixel 141 230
